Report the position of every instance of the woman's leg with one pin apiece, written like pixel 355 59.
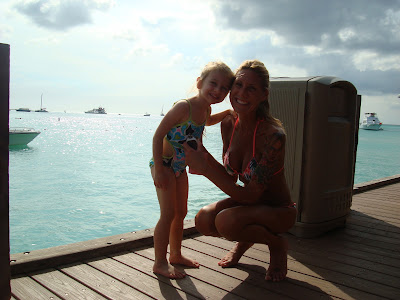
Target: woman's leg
pixel 176 232
pixel 205 224
pixel 166 199
pixel 258 224
pixel 205 218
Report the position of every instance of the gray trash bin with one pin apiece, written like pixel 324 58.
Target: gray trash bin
pixel 320 115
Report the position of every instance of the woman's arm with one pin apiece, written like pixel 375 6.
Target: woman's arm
pixel 203 163
pixel 270 162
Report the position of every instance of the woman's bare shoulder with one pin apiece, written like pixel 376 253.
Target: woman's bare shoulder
pixel 227 124
pixel 270 132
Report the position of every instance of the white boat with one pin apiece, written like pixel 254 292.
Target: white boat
pixel 42 109
pixel 21 136
pixel 146 114
pixel 371 122
pixel 99 110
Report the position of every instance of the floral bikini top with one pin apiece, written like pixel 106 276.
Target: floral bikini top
pixel 252 165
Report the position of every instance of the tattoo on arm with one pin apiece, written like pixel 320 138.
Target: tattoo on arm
pixel 272 159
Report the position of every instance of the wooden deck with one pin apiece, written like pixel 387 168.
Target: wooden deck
pixel 361 261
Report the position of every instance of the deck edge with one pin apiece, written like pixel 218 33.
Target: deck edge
pixel 374 184
pixel 41 259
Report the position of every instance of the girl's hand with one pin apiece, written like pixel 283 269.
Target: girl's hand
pixel 233 113
pixel 196 159
pixel 161 178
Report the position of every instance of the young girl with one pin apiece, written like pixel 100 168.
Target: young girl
pixel 184 122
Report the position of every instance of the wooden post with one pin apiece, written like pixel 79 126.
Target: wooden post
pixel 4 159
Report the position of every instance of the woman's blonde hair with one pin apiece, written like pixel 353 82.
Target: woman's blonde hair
pixel 263 110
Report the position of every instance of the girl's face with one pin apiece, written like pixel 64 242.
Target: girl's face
pixel 247 92
pixel 214 87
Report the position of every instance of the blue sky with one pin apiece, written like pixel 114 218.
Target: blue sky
pixel 139 56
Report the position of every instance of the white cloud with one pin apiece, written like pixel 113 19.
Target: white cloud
pixel 61 14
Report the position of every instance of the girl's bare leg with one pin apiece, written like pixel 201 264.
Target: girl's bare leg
pixel 166 198
pixel 176 232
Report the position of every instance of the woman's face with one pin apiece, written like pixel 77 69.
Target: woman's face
pixel 247 92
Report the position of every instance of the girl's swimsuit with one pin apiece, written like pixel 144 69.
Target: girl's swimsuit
pixel 178 135
pixel 252 165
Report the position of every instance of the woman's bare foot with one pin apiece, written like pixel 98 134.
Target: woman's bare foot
pixel 167 270
pixel 232 257
pixel 278 261
pixel 182 260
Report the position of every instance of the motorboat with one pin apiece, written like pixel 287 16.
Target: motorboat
pixel 23 109
pixel 21 136
pixel 371 122
pixel 146 114
pixel 99 110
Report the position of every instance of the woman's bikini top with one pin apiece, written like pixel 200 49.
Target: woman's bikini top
pixel 251 166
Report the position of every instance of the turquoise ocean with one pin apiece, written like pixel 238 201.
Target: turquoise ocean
pixel 87 176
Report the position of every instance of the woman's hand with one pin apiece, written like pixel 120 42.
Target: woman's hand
pixel 196 159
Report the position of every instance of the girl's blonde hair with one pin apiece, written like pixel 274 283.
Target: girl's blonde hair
pixel 263 110
pixel 217 66
pixel 210 67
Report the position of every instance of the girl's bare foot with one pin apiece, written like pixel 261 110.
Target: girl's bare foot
pixel 233 256
pixel 167 270
pixel 278 261
pixel 182 260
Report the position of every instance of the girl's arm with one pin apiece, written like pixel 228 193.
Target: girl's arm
pixel 218 117
pixel 178 113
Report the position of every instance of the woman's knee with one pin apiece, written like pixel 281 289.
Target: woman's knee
pixel 225 224
pixel 204 221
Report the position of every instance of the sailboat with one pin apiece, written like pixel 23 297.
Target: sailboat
pixel 162 113
pixel 41 107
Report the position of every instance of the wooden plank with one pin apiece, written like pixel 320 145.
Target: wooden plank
pixel 371 245
pixel 24 287
pixel 65 286
pixel 378 241
pixel 201 282
pixel 343 262
pixel 331 244
pixel 375 218
pixel 102 283
pixel 395 237
pixel 345 284
pixel 254 274
pixel 297 274
pixel 143 282
pixel 379 212
pixel 370 222
pixel 376 201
